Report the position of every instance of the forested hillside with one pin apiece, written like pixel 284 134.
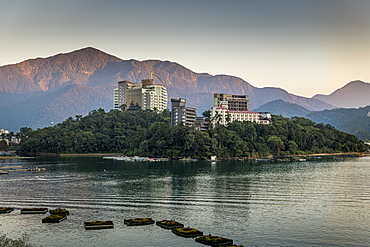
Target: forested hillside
pixel 147 133
pixel 351 120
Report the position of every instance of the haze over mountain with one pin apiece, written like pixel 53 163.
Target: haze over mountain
pixel 355 121
pixel 44 91
pixel 285 109
pixel 353 95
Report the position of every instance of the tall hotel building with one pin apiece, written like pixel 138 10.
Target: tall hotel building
pixel 145 95
pixel 234 102
pixel 182 114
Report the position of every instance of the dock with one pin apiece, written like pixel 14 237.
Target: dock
pixel 6 169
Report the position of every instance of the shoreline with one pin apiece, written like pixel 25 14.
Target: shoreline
pixel 15 157
pixel 90 155
pixel 120 154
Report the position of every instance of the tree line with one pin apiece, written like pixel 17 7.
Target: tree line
pixel 147 133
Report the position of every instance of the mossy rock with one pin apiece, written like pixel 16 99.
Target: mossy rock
pixel 5 210
pixel 99 225
pixel 139 221
pixel 187 232
pixel 214 240
pixel 55 218
pixel 169 224
pixel 60 211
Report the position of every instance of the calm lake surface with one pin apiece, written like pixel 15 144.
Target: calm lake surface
pixel 324 202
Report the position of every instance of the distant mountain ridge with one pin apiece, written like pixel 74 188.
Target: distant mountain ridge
pixel 38 92
pixel 285 109
pixel 353 95
pixel 355 121
pixel 44 74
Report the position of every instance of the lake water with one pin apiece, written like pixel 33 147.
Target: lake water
pixel 325 202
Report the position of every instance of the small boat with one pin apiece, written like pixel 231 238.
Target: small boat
pixel 3 172
pixel 213 158
pixel 263 159
pixel 188 159
pixel 11 167
pixel 109 157
pixel 36 169
pixel 124 158
pixel 282 160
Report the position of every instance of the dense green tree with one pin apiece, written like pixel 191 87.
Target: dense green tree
pixel 207 114
pixel 275 144
pixel 148 133
pixel 292 147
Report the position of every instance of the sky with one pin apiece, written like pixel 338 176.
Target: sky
pixel 303 46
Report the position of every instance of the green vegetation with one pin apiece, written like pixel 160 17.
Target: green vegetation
pixel 55 218
pixel 351 120
pixel 20 242
pixel 60 211
pixel 147 133
pixel 213 240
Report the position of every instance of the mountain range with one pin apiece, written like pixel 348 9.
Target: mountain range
pixel 354 121
pixel 44 91
pixel 353 95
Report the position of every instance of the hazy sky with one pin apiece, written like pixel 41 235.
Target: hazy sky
pixel 303 46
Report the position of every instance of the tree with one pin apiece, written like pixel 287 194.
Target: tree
pixel 292 147
pixel 275 144
pixel 24 131
pixel 228 118
pixel 123 107
pixel 148 133
pixel 207 114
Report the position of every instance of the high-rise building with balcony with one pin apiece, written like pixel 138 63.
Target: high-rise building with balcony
pixel 145 95
pixel 234 102
pixel 182 114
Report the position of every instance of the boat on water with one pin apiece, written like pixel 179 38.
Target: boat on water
pixel 110 157
pixel 7 169
pixel 10 167
pixel 137 158
pixel 36 169
pixel 263 159
pixel 188 159
pixel 213 159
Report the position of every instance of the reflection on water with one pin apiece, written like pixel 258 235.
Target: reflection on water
pixel 313 203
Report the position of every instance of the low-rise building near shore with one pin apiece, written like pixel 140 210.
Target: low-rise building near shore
pixel 223 113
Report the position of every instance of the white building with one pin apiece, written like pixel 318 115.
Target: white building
pixel 3 131
pixel 222 115
pixel 146 95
